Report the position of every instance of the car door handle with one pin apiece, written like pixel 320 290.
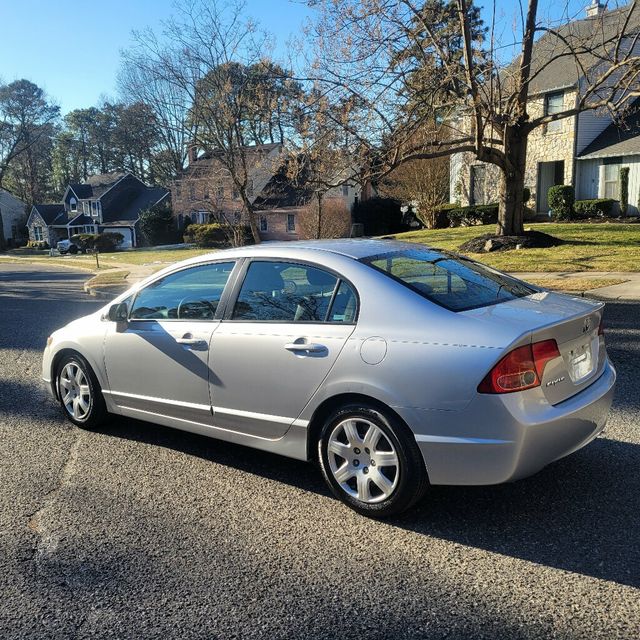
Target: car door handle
pixel 190 341
pixel 307 347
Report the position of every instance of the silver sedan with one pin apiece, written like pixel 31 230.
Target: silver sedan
pixel 395 366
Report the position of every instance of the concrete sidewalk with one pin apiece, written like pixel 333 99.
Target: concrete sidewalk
pixel 629 290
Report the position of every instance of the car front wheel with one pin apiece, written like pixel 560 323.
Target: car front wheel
pixel 79 392
pixel 371 461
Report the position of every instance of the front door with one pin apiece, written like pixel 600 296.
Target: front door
pixel 277 345
pixel 157 362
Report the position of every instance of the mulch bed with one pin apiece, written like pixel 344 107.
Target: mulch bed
pixel 490 242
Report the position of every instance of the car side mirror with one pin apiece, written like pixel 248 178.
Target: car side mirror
pixel 118 312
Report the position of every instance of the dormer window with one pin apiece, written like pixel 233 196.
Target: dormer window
pixel 73 204
pixel 95 208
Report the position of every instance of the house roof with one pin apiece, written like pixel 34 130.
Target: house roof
pixel 80 220
pixel 95 186
pixel 49 212
pixel 615 140
pixel 591 38
pixel 129 206
pixel 282 191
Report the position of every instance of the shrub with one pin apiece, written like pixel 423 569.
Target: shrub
pixel 441 215
pixel 215 234
pixel 380 216
pixel 157 226
pixel 598 207
pixel 107 242
pixel 84 241
pixel 37 244
pixel 624 190
pixel 526 195
pixel 561 198
pixel 473 215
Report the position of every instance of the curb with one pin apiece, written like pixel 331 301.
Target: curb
pixel 106 292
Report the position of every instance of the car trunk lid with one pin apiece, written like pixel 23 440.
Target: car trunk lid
pixel 573 323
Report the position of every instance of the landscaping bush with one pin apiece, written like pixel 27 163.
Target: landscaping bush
pixel 157 226
pixel 561 198
pixel 624 190
pixel 473 215
pixel 84 241
pixel 441 215
pixel 107 242
pixel 38 244
pixel 596 208
pixel 380 216
pixel 214 234
pixel 526 195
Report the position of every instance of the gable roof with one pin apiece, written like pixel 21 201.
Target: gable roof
pixel 129 206
pixel 50 212
pixel 615 140
pixel 591 38
pixel 283 191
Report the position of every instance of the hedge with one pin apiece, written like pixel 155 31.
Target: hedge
pixel 213 235
pixel 561 198
pixel 596 208
pixel 472 215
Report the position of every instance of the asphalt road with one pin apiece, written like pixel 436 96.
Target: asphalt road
pixel 143 532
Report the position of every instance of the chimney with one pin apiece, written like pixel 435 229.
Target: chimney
pixel 595 9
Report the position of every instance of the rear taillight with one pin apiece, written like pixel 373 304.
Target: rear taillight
pixel 520 369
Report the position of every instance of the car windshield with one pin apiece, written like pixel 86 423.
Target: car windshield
pixel 453 282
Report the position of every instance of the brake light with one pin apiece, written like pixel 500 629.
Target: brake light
pixel 520 369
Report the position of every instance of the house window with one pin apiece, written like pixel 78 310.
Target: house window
pixel 205 192
pixel 236 194
pixel 611 181
pixel 264 225
pixel 250 188
pixel 178 190
pixel 291 222
pixel 220 192
pixel 345 190
pixel 86 207
pixel 192 191
pixel 95 208
pixel 37 233
pixel 554 103
pixel 73 204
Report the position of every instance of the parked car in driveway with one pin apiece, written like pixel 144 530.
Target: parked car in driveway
pixel 66 246
pixel 393 365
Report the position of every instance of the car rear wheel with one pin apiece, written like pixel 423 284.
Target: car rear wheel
pixel 371 461
pixel 79 392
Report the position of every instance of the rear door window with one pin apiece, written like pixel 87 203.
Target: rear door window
pixel 292 292
pixel 451 281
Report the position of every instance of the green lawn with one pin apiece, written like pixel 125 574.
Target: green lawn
pixel 590 247
pixel 151 256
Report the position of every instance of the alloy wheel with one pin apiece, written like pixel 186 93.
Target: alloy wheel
pixel 363 460
pixel 75 391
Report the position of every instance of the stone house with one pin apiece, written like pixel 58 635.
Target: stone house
pixel 14 218
pixel 109 202
pixel 205 191
pixel 586 150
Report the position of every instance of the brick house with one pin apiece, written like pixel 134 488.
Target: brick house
pixel 205 191
pixel 109 202
pixel 586 150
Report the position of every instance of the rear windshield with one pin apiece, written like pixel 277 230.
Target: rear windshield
pixel 449 280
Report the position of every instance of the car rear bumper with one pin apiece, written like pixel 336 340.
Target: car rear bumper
pixel 501 438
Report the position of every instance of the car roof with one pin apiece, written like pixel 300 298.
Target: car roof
pixel 355 248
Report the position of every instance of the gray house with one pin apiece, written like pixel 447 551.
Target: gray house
pixel 586 150
pixel 13 215
pixel 109 202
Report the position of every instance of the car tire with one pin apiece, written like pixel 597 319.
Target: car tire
pixel 371 461
pixel 79 392
pixel 73 249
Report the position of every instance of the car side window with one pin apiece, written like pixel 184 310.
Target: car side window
pixel 190 294
pixel 286 292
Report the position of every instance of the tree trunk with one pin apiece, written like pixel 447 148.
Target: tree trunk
pixel 319 230
pixel 511 201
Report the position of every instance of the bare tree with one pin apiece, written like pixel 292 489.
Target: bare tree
pixel 214 59
pixel 433 67
pixel 422 184
pixel 325 218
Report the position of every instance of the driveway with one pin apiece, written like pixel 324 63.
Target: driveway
pixel 142 532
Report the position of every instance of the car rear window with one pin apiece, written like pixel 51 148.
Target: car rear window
pixel 451 281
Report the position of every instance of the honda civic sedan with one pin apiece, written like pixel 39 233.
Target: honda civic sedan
pixel 394 366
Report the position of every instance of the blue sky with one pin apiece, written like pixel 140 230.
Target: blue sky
pixel 71 48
